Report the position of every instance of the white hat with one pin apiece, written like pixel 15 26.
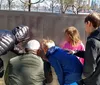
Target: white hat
pixel 33 45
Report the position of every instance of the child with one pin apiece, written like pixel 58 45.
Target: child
pixel 73 41
pixel 67 67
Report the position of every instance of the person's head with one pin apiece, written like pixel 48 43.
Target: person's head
pixel 20 33
pixel 72 35
pixel 92 22
pixel 46 44
pixel 32 46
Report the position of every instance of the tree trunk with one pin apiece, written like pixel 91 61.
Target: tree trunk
pixel 52 9
pixel 29 6
pixel 52 6
pixel 1 3
pixel 61 6
pixel 77 11
pixel 9 6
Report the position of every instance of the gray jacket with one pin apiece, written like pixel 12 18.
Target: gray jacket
pixel 26 69
pixel 91 56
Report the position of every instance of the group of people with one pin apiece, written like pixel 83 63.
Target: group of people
pixel 73 63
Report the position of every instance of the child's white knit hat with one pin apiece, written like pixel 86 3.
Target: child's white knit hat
pixel 33 45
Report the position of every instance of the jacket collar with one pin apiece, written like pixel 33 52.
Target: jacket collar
pixel 95 34
pixel 51 51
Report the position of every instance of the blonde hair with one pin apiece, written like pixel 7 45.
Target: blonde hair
pixel 73 34
pixel 47 43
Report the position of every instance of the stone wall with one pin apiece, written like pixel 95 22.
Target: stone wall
pixel 43 25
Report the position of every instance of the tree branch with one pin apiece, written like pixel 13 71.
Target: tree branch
pixel 79 8
pixel 39 1
pixel 11 1
pixel 66 6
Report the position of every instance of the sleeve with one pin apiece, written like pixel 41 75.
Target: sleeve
pixel 56 65
pixel 7 77
pixel 6 43
pixel 90 58
pixel 82 47
pixel 1 68
pixel 6 74
pixel 80 54
pixel 21 33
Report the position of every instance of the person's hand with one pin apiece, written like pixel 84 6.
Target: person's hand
pixel 83 77
pixel 71 52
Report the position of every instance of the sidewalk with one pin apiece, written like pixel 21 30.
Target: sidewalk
pixel 1 81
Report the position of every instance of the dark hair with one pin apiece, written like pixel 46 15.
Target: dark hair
pixel 94 18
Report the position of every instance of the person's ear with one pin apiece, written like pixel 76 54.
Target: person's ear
pixel 45 49
pixel 89 23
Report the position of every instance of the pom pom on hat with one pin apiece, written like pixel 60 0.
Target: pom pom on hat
pixel 33 45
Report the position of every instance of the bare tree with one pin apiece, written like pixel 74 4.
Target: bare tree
pixel 29 3
pixel 51 4
pixel 24 6
pixel 78 6
pixel 9 3
pixel 64 4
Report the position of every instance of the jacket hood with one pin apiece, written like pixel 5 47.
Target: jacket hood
pixel 51 51
pixel 95 34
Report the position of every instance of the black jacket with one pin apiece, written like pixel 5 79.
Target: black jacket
pixel 92 59
pixel 7 43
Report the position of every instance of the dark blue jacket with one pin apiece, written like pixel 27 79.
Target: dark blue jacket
pixel 67 67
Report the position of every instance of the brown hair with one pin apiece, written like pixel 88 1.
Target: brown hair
pixel 73 34
pixel 94 18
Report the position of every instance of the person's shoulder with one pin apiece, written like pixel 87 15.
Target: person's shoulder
pixel 92 42
pixel 14 59
pixel 34 57
pixel 37 60
pixel 81 43
pixel 63 44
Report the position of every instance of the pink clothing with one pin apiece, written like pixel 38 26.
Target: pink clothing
pixel 79 47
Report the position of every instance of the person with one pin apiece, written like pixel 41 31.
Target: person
pixel 9 41
pixel 26 69
pixel 73 41
pixel 91 70
pixel 47 68
pixel 67 67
